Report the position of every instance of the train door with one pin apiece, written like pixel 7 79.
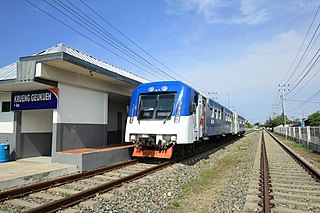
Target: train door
pixel 232 122
pixel 199 119
pixel 194 111
pixel 236 124
pixel 204 117
pixel 222 120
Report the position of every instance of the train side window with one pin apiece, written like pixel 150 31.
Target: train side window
pixel 215 114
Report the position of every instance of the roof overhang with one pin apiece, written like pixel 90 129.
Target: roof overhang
pixel 24 75
pixel 71 63
pixel 15 85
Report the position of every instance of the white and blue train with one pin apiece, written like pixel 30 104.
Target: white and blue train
pixel 169 115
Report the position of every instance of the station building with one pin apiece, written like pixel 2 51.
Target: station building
pixel 60 100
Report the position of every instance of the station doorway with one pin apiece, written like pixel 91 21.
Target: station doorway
pixel 35 136
pixel 117 115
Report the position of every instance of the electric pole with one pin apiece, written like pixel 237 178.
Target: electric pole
pixel 283 89
pixel 274 108
pixel 228 100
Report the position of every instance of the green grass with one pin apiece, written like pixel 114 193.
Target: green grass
pixel 299 146
pixel 207 176
pixel 175 203
pixel 65 194
pixel 213 174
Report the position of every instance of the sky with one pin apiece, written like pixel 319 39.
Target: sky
pixel 239 51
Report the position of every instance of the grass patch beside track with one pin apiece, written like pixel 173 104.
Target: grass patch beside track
pixel 198 194
pixel 207 176
pixel 310 155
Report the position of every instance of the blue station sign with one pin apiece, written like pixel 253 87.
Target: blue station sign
pixel 31 100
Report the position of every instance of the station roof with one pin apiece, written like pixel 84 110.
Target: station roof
pixel 61 51
pixel 8 72
pixel 92 60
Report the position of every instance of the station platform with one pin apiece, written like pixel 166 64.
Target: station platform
pixel 87 159
pixel 30 170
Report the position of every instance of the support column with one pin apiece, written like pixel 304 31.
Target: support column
pixel 17 152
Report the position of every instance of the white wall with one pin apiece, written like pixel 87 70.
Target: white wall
pixel 71 78
pixel 6 118
pixel 80 105
pixel 36 121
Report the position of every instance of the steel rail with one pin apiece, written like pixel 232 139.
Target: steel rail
pixel 28 189
pixel 264 170
pixel 315 174
pixel 86 194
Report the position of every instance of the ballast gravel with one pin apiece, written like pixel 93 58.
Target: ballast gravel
pixel 157 192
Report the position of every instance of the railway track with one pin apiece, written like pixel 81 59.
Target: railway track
pixel 287 183
pixel 51 196
pixel 65 192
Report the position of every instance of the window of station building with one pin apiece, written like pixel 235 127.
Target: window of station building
pixel 5 106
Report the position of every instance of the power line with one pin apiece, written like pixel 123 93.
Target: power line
pixel 300 49
pixel 307 101
pixel 306 83
pixel 87 37
pixel 316 102
pixel 304 56
pixel 135 44
pixel 83 20
pixel 102 37
pixel 315 62
pixel 112 41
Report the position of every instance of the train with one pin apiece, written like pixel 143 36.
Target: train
pixel 168 117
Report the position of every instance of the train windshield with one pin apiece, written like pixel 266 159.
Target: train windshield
pixel 156 106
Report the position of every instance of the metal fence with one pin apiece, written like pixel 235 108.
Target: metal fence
pixel 308 136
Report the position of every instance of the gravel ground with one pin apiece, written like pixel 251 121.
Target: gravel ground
pixel 160 191
pixel 164 191
pixel 232 197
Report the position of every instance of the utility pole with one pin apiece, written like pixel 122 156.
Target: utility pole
pixel 228 100
pixel 283 89
pixel 274 108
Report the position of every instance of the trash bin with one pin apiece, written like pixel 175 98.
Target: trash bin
pixel 4 152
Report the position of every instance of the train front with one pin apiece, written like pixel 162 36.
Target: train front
pixel 158 118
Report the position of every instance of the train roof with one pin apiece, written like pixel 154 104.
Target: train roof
pixel 158 86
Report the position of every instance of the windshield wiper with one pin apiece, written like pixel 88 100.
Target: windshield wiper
pixel 167 117
pixel 138 117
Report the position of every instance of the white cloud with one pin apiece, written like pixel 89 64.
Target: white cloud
pixel 222 11
pixel 232 12
pixel 252 78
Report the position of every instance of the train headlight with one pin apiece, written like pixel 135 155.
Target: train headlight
pixel 131 113
pixel 178 112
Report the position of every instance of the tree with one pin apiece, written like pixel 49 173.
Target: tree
pixel 248 125
pixel 278 120
pixel 314 119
